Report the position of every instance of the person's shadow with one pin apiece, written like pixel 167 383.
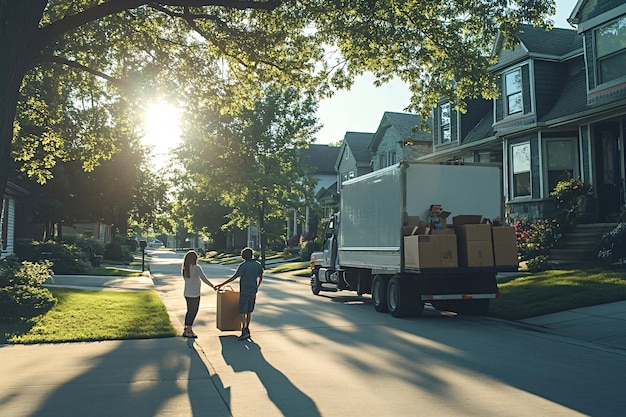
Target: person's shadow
pixel 247 356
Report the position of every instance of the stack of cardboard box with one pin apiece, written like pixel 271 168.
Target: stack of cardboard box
pixel 470 241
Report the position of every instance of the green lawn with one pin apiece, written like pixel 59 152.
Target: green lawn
pixel 94 315
pixel 558 290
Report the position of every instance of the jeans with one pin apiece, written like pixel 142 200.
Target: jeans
pixel 193 304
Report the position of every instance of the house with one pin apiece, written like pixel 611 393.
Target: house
pixel 399 137
pixel 320 160
pixel 7 218
pixel 353 160
pixel 561 113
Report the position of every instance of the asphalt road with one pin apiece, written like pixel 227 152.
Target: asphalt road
pixel 333 355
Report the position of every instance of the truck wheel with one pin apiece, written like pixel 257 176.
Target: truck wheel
pixel 379 293
pixel 399 296
pixel 316 285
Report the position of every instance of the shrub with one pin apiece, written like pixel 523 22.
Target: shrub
pixel 66 258
pixel 613 243
pixel 306 250
pixel 21 294
pixel 114 251
pixel 566 193
pixel 536 238
pixel 538 263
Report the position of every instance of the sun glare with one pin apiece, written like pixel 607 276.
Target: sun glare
pixel 161 123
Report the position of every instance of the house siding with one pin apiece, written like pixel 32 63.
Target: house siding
pixel 9 211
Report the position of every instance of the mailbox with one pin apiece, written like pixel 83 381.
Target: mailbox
pixel 143 244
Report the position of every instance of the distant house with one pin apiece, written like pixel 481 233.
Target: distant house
pixel 561 113
pixel 320 160
pixel 7 219
pixel 353 160
pixel 399 137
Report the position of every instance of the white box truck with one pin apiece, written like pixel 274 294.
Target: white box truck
pixel 364 244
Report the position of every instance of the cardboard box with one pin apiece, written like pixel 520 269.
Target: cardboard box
pixel 431 251
pixel 504 246
pixel 473 232
pixel 505 253
pixel 503 234
pixel 409 230
pixel 421 251
pixel 475 253
pixel 228 311
pixel 448 251
pixel 466 219
pixel 443 232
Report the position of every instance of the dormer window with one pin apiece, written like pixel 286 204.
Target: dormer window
pixel 611 50
pixel 445 131
pixel 513 91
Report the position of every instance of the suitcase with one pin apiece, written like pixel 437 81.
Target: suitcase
pixel 228 318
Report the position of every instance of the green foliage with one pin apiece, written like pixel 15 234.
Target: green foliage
pixel 88 245
pixel 21 294
pixel 306 250
pixel 65 258
pixel 613 243
pixel 538 263
pixel 115 251
pixel 566 193
pixel 536 238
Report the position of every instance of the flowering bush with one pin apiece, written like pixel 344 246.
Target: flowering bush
pixel 567 191
pixel 613 243
pixel 536 238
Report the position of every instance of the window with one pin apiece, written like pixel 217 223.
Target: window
pixel 521 169
pixel 347 176
pixel 611 50
pixel 513 91
pixel 445 123
pixel 382 161
pixel 392 157
pixel 560 161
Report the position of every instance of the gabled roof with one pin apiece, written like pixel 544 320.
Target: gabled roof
pixel 406 125
pixel 321 157
pixel 357 143
pixel 556 42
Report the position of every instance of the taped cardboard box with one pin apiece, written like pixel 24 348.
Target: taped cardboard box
pixel 431 251
pixel 227 311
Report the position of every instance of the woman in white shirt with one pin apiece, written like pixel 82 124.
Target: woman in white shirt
pixel 192 273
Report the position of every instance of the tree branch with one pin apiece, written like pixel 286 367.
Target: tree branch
pixel 74 64
pixel 112 7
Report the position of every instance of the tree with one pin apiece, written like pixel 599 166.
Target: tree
pixel 249 160
pixel 439 48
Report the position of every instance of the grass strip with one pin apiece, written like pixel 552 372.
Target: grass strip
pixel 558 290
pixel 81 316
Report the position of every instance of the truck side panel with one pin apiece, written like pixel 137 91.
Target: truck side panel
pixel 371 220
pixel 460 189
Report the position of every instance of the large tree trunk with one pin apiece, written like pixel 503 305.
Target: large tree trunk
pixel 19 28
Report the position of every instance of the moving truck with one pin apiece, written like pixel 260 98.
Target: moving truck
pixel 384 242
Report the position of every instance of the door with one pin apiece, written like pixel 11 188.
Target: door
pixel 608 180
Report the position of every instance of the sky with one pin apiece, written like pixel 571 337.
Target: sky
pixel 361 108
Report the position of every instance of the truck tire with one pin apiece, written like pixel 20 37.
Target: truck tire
pixel 316 285
pixel 399 296
pixel 379 293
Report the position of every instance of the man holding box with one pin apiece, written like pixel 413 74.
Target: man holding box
pixel 251 273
